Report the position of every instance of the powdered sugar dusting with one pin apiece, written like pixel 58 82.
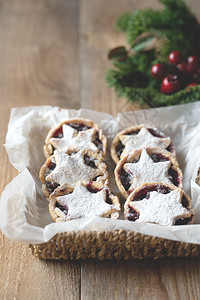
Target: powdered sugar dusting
pixel 146 170
pixel 143 138
pixel 71 169
pixel 71 137
pixel 83 203
pixel 160 208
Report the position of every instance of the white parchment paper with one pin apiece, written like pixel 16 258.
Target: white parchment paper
pixel 24 214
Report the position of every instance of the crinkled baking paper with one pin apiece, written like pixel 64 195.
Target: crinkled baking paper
pixel 24 214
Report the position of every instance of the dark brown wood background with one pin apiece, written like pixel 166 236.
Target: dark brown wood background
pixel 55 53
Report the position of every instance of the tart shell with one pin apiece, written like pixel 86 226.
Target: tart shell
pixel 49 149
pixel 127 131
pixel 134 156
pixel 137 195
pixel 98 160
pixel 57 214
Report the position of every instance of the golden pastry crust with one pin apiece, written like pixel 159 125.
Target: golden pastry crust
pixel 59 212
pixel 142 192
pixel 48 147
pixel 117 154
pixel 93 158
pixel 135 155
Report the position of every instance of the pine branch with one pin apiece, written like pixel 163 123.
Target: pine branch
pixel 122 22
pixel 152 35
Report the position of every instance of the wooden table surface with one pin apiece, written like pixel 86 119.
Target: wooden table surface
pixel 55 53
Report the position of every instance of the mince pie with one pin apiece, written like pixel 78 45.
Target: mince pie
pixel 147 165
pixel 86 199
pixel 71 167
pixel 159 203
pixel 138 136
pixel 79 134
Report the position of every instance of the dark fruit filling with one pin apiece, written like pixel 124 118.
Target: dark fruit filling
pixel 119 149
pixel 95 190
pixel 95 178
pixel 98 143
pixel 145 192
pixel 173 176
pixel 79 127
pixel 170 148
pixel 63 208
pixel 89 161
pixel 156 133
pixel 51 186
pixel 91 189
pixel 133 214
pixel 184 202
pixel 184 221
pixel 125 179
pixel 108 199
pixel 157 157
pixel 58 133
pixel 153 131
pixel 50 168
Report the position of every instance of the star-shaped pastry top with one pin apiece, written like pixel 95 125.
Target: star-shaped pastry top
pixel 160 208
pixel 146 170
pixel 83 203
pixel 143 138
pixel 71 168
pixel 77 139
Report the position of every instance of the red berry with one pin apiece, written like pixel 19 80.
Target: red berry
pixel 192 64
pixel 175 57
pixel 171 84
pixel 159 71
pixel 182 67
pixel 193 84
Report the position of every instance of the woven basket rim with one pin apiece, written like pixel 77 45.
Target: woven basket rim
pixel 119 231
pixel 116 244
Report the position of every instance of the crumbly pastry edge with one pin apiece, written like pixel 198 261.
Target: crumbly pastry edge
pixel 48 148
pixel 98 161
pixel 170 186
pixel 65 189
pixel 125 131
pixel 130 157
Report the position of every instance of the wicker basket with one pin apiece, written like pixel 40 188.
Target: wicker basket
pixel 117 244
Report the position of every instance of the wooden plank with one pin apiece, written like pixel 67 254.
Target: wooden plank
pixel 26 277
pixel 145 279
pixel 39 66
pixel 97 36
pixel 123 280
pixel 39 50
